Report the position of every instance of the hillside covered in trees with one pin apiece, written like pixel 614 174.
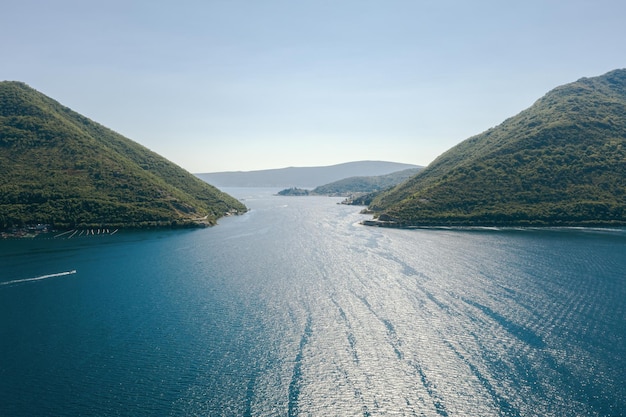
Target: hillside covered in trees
pixel 60 168
pixel 561 162
pixel 354 186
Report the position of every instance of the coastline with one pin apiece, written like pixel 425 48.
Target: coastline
pixel 34 232
pixel 591 225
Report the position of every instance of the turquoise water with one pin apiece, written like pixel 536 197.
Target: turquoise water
pixel 296 309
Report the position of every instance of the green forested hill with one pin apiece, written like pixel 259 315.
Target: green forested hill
pixel 560 162
pixel 60 168
pixel 355 185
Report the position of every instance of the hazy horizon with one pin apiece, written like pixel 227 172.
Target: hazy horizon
pixel 243 85
pixel 302 166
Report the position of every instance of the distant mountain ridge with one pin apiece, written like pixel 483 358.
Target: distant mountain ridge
pixel 58 167
pixel 561 162
pixel 305 177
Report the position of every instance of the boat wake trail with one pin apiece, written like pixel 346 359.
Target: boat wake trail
pixel 19 281
pixel 296 379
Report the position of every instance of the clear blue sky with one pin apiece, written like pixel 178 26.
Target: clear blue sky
pixel 244 85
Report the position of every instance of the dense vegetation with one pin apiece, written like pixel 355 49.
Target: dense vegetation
pixel 560 162
pixel 295 191
pixel 354 186
pixel 60 168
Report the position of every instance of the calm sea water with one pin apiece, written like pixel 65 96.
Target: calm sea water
pixel 296 310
